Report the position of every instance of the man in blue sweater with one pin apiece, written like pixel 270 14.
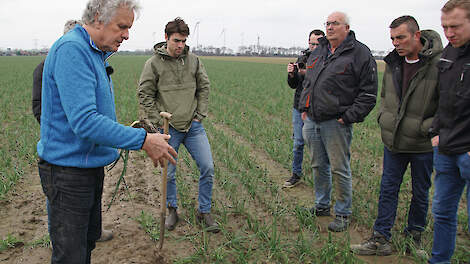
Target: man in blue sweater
pixel 79 131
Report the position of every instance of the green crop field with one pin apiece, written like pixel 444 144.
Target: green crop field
pixel 249 128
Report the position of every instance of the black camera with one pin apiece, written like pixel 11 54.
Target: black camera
pixel 298 66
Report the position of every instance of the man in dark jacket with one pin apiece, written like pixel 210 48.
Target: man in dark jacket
pixel 340 89
pixel 451 129
pixel 295 77
pixel 409 99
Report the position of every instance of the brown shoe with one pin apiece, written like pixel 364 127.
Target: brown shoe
pixel 105 235
pixel 171 219
pixel 209 223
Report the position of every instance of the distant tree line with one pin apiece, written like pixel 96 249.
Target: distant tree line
pixel 251 50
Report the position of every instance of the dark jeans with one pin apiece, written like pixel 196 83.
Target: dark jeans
pixel 394 166
pixel 74 196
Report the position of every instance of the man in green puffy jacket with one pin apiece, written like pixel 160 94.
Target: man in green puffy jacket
pixel 409 100
pixel 174 80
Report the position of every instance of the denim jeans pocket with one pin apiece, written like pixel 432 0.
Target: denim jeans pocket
pixel 466 160
pixel 47 181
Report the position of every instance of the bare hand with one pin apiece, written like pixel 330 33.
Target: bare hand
pixel 290 68
pixel 435 141
pixel 304 115
pixel 158 149
pixel 197 120
pixel 340 121
pixel 302 71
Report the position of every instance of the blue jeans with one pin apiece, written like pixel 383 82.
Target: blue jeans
pixel 74 198
pixel 394 166
pixel 452 174
pixel 298 149
pixel 329 145
pixel 197 144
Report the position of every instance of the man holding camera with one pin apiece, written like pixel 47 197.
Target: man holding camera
pixel 295 76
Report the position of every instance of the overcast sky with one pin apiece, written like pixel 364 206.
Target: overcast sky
pixel 29 24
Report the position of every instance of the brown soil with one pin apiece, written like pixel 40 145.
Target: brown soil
pixel 24 216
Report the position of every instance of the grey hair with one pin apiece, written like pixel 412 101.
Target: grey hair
pixel 347 21
pixel 105 10
pixel 70 24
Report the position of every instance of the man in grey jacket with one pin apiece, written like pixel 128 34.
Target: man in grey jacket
pixel 409 102
pixel 340 89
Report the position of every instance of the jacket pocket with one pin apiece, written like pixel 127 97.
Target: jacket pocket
pixel 411 127
pixel 328 104
pixel 179 100
pixel 463 90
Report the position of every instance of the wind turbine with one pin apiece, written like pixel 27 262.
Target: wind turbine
pixel 197 35
pixel 223 33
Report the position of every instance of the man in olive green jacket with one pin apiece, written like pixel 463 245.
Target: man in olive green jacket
pixel 175 81
pixel 409 100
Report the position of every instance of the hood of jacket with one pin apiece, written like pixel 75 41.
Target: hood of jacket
pixel 160 49
pixel 432 46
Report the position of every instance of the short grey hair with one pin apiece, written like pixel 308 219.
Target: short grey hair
pixel 105 10
pixel 70 24
pixel 347 21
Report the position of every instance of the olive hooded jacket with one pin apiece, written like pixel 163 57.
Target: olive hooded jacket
pixel 177 85
pixel 406 119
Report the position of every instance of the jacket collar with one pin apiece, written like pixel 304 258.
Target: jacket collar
pixel 465 49
pixel 432 46
pixel 87 38
pixel 348 43
pixel 160 48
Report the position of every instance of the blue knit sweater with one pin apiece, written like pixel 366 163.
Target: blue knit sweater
pixel 78 120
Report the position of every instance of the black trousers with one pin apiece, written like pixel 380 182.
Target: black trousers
pixel 74 196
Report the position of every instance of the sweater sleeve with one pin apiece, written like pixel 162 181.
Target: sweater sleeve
pixel 37 91
pixel 293 81
pixel 77 83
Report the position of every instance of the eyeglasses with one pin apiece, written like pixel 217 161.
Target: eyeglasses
pixel 332 23
pixel 314 44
